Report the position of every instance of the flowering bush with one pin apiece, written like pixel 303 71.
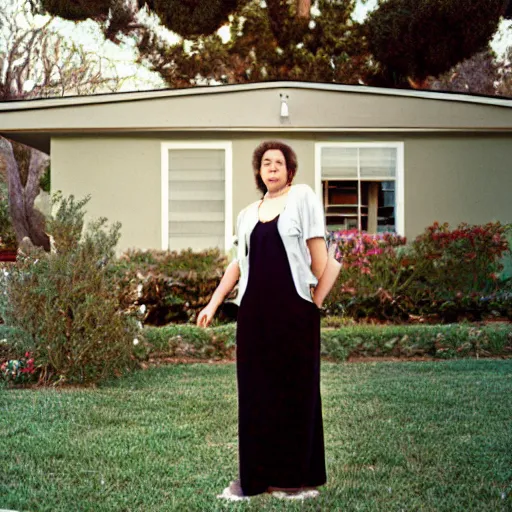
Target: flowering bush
pixel 462 260
pixel 373 267
pixel 442 272
pixel 18 371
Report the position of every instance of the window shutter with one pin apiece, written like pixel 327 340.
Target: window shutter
pixel 339 163
pixel 196 198
pixel 377 162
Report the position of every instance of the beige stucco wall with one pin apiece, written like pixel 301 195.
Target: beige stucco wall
pixel 451 178
pixel 457 179
pixel 123 178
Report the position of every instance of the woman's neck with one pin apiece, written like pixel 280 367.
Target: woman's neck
pixel 277 193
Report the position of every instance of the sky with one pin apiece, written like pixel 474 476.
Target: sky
pixel 137 77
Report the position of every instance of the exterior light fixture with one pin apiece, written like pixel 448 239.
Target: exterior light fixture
pixel 284 105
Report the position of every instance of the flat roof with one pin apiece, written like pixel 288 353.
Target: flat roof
pixel 93 99
pixel 254 107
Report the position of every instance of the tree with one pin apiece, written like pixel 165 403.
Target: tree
pixel 400 45
pixel 418 38
pixel 476 75
pixel 24 168
pixel 36 62
pixel 505 74
pixel 328 48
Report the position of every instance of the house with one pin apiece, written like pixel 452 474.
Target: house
pixel 174 166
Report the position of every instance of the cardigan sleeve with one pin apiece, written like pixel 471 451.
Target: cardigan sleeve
pixel 313 221
pixel 236 238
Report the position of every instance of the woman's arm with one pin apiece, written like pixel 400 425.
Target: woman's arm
pixel 227 283
pixel 325 268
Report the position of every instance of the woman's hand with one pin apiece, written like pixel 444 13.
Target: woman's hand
pixel 326 281
pixel 205 316
pixel 226 284
pixel 317 302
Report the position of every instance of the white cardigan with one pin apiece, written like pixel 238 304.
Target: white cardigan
pixel 302 218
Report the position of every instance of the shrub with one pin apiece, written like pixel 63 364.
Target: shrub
pixel 7 234
pixel 61 307
pixel 442 272
pixel 342 342
pixel 463 260
pixel 18 371
pixel 373 268
pixel 171 286
pixel 506 259
pixel 191 341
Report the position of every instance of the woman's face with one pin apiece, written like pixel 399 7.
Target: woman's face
pixel 273 170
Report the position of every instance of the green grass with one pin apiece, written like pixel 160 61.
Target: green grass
pixel 412 436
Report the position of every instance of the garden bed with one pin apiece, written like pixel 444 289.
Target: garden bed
pixel 188 343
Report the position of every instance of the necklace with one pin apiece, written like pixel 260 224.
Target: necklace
pixel 285 189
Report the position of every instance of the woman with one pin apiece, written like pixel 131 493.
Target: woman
pixel 281 256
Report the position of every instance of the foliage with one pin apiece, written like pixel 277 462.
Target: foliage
pixel 506 259
pixel 36 61
pixel 7 234
pixel 437 341
pixel 78 9
pixel 339 344
pixel 189 341
pixel 195 18
pixel 418 38
pixel 170 286
pixel 463 260
pixel 478 74
pixel 505 72
pixel 445 273
pixel 18 371
pixel 61 306
pixel 403 41
pixel 373 267
pixel 268 44
pixel 45 181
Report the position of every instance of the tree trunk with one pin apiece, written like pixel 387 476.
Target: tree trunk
pixel 26 220
pixel 303 9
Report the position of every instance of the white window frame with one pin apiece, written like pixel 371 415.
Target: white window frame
pixel 399 178
pixel 227 146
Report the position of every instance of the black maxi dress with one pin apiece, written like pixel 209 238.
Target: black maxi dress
pixel 280 429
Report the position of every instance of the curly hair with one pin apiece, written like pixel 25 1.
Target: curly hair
pixel 289 156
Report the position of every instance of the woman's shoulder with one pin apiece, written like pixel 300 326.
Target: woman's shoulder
pixel 250 206
pixel 304 191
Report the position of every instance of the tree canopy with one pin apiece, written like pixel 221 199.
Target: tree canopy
pixel 400 44
pixel 418 38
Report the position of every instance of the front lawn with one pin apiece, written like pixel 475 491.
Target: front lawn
pixel 429 436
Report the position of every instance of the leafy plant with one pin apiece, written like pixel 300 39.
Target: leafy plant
pixel 45 181
pixel 18 371
pixel 7 234
pixel 172 286
pixel 62 305
pixel 443 272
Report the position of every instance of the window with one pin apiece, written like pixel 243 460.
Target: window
pixel 361 185
pixel 196 198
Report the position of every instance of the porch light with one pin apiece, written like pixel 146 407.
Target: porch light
pixel 284 105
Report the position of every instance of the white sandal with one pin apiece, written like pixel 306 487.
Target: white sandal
pixel 299 495
pixel 233 492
